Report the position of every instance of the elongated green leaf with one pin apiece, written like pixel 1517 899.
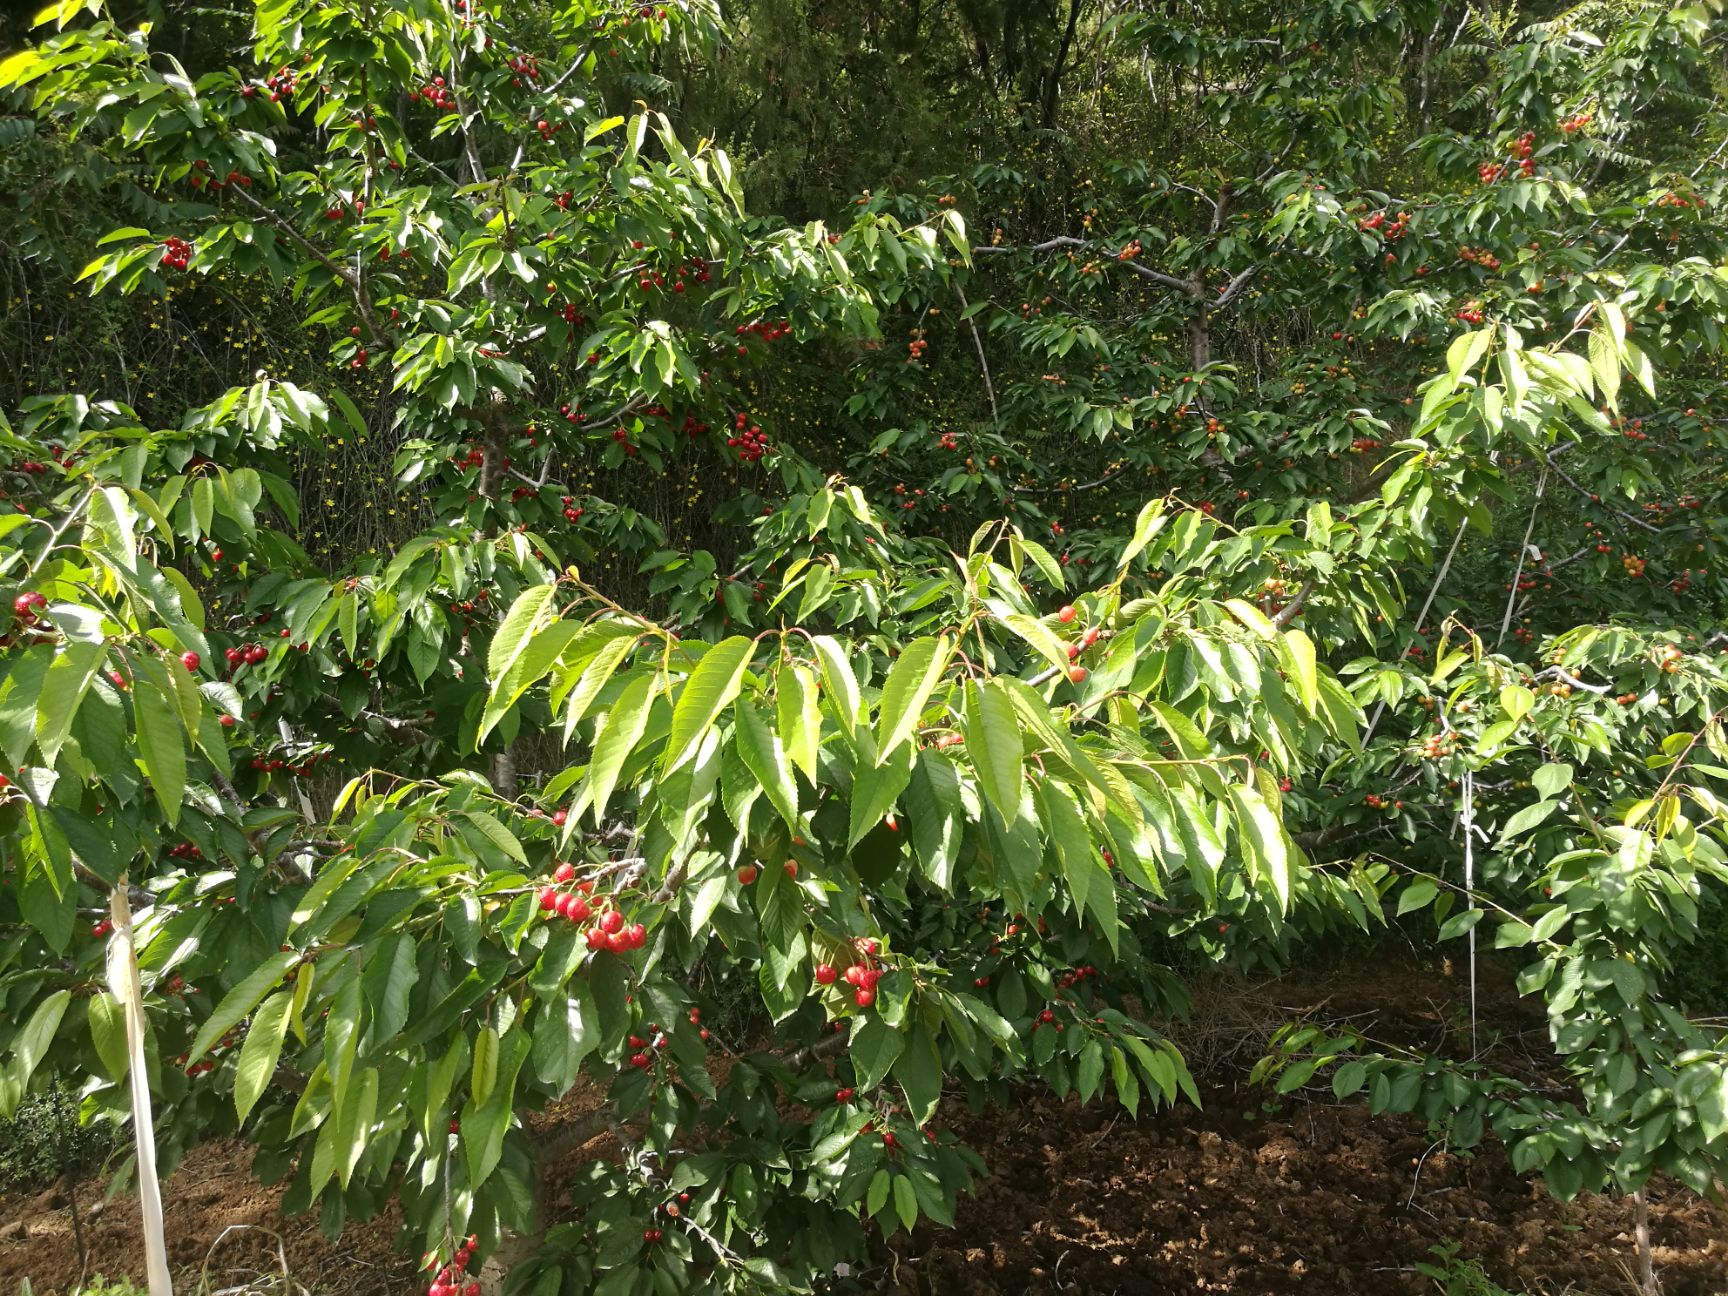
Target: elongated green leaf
pixel 353 1123
pixel 519 625
pixel 1040 636
pixel 1297 650
pixel 764 757
pixel 842 683
pixel 485 1071
pixel 1073 844
pixel 261 1051
pixel 241 1000
pixel 994 744
pixel 108 1034
pixel 1252 617
pixel 625 724
pixel 63 687
pixel 530 665
pixel 800 717
pixel 874 1048
pixel 594 677
pixel 906 690
pixel 1150 522
pixel 161 746
pixel 874 791
pixel 1264 837
pixel 32 1043
pixel 707 692
pixel 484 1124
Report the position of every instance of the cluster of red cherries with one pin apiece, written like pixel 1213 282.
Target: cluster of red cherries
pixel 250 655
pixel 176 252
pixel 610 933
pixel 862 977
pixel 436 94
pixel 749 441
pixel 448 1281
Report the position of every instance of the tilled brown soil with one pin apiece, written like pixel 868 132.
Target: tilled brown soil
pixel 1244 1196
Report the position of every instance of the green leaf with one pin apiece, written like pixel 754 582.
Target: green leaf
pixel 625 724
pixel 161 746
pixel 1416 895
pixel 994 744
pixel 1551 780
pixel 1459 923
pixel 1042 639
pixel 707 692
pixel 1527 818
pixel 905 1202
pixel 1516 701
pixel 1349 1079
pixel 32 1043
pixel 1066 827
pixel 875 1047
pixel 1253 618
pixel 877 1196
pixel 842 683
pixel 108 1034
pixel 1150 522
pixel 874 792
pixel 763 756
pixel 519 624
pixel 907 688
pixel 484 1123
pixel 485 1071
pixel 594 677
pixel 1264 836
pixel 1297 651
pixel 63 688
pixel 353 1124
pixel 241 1000
pixel 800 717
pixel 919 1071
pixel 261 1051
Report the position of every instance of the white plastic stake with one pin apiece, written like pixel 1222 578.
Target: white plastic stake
pixel 123 984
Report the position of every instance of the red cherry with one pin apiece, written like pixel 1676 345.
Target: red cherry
pixel 791 868
pixel 854 975
pixel 226 721
pixel 564 872
pixel 597 939
pixel 825 974
pixel 747 875
pixel 1066 613
pixel 191 660
pixel 559 817
pixel 548 899
pixel 1077 674
pixel 611 921
pixel 864 997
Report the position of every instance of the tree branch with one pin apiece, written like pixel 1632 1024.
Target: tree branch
pixel 306 245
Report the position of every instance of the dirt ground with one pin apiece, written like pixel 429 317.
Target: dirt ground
pixel 1246 1196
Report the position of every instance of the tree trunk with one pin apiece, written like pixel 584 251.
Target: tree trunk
pixel 1647 1284
pixel 1053 83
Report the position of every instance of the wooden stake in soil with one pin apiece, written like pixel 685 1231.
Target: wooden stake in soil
pixel 123 983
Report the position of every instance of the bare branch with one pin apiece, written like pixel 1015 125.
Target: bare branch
pixel 361 302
